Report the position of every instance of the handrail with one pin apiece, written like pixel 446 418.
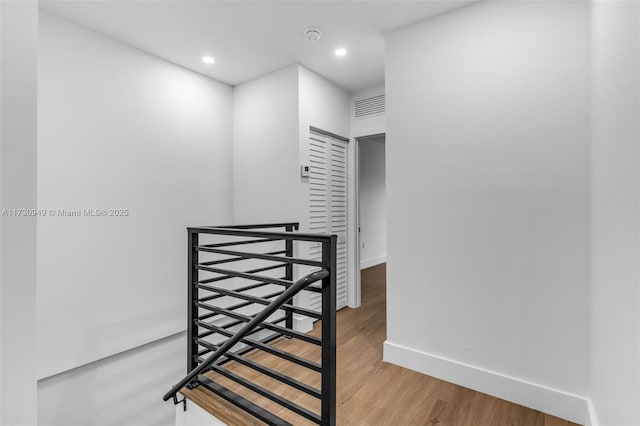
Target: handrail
pixel 244 331
pixel 295 225
pixel 301 236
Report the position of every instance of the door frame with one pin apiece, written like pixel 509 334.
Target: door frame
pixel 354 287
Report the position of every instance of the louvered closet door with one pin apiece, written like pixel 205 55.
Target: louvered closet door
pixel 328 203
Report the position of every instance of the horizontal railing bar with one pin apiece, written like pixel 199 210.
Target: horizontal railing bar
pixel 295 236
pixel 236 259
pixel 223 359
pixel 298 409
pixel 237 305
pixel 225 326
pixel 267 348
pixel 240 274
pixel 268 372
pixel 260 278
pixel 249 287
pixel 262 225
pixel 263 300
pixel 234 323
pixel 269 326
pixel 265 268
pixel 247 348
pixel 239 243
pixel 248 406
pixel 238 295
pixel 239 352
pixel 261 256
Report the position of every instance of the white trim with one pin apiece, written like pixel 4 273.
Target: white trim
pixel 364 264
pixel 533 395
pixel 592 419
pixel 302 324
pixel 354 297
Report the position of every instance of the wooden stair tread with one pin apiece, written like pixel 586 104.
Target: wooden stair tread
pixel 218 405
pixel 220 408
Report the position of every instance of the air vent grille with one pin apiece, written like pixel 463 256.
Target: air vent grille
pixel 369 106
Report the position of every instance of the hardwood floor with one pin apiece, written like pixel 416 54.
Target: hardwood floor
pixel 370 392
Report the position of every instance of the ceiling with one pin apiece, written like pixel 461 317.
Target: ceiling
pixel 252 38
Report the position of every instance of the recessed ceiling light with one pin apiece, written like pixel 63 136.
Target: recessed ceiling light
pixel 341 52
pixel 208 60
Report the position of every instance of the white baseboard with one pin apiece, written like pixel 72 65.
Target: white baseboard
pixel 592 420
pixel 302 324
pixel 551 401
pixel 364 264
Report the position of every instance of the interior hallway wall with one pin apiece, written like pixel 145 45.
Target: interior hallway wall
pixel 18 189
pixel 372 202
pixel 488 201
pixel 323 105
pixel 119 128
pixel 266 170
pixel 272 115
pixel 125 389
pixel 615 204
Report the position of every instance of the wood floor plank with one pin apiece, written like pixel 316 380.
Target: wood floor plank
pixel 550 420
pixel 370 391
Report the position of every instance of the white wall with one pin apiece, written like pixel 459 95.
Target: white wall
pixel 372 204
pixel 272 115
pixel 18 140
pixel 266 169
pixel 615 224
pixel 488 201
pixel 119 128
pixel 125 389
pixel 323 105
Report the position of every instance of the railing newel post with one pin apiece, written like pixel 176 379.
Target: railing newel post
pixel 328 403
pixel 289 275
pixel 192 298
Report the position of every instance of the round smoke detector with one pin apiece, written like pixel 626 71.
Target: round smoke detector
pixel 312 34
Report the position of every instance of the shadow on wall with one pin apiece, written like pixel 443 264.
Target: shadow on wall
pixel 126 388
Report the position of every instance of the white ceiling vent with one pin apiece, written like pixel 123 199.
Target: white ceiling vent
pixel 369 106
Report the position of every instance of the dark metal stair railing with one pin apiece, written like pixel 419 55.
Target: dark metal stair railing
pixel 275 305
pixel 221 353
